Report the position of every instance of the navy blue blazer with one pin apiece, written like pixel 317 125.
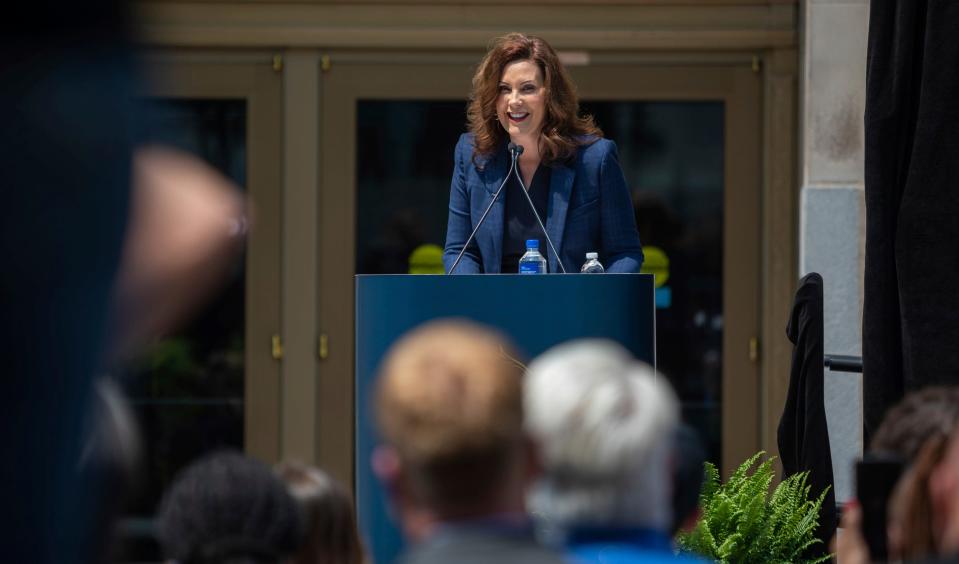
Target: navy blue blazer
pixel 589 209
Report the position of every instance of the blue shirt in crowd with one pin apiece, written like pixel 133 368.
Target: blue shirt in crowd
pixel 612 545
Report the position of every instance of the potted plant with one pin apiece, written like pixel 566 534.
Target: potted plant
pixel 742 523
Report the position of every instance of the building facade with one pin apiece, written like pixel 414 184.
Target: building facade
pixel 739 124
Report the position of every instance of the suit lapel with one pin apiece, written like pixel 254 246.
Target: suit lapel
pixel 560 188
pixel 494 171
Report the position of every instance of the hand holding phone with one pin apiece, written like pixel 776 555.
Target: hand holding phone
pixel 876 477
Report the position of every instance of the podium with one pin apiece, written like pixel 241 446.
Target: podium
pixel 535 312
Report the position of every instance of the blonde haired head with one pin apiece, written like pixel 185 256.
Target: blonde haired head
pixel 449 401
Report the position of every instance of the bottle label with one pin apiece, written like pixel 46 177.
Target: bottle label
pixel 529 268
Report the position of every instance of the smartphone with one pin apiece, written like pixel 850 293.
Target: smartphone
pixel 876 477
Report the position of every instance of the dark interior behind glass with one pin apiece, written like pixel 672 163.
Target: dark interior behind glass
pixel 187 388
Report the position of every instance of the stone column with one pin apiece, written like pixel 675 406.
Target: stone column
pixel 832 206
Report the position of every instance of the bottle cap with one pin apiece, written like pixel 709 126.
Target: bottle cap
pixel 532 243
pixel 592 256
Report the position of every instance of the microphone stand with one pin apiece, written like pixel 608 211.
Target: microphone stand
pixel 513 151
pixel 515 169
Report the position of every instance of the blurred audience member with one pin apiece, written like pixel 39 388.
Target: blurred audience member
pixel 944 498
pixel 920 415
pixel 227 508
pixel 456 461
pixel 849 545
pixel 66 108
pixel 924 507
pixel 111 460
pixel 331 535
pixel 187 226
pixel 68 90
pixel 943 492
pixel 917 430
pixel 689 458
pixel 605 424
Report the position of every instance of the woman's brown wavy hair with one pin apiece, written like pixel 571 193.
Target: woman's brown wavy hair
pixel 563 128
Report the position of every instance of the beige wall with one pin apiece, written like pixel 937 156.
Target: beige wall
pixel 646 25
pixel 832 216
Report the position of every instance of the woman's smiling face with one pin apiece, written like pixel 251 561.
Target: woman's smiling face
pixel 521 105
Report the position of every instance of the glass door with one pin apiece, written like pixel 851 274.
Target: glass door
pixel 387 136
pixel 688 138
pixel 213 383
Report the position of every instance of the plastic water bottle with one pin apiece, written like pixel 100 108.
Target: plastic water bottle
pixel 532 262
pixel 592 264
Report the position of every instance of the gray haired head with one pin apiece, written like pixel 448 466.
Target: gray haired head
pixel 604 423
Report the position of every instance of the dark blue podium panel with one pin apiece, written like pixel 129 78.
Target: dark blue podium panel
pixel 535 312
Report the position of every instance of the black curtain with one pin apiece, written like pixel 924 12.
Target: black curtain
pixel 911 294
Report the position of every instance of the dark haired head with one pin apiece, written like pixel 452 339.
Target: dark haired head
pixel 921 415
pixel 331 535
pixel 563 128
pixel 689 475
pixel 227 508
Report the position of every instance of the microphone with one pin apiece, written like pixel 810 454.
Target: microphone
pixel 517 150
pixel 513 151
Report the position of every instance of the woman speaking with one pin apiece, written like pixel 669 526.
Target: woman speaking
pixel 522 96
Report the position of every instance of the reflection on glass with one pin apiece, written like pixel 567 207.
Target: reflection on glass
pixel 672 156
pixel 187 389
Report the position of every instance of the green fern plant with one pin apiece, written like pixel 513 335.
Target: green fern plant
pixel 741 523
